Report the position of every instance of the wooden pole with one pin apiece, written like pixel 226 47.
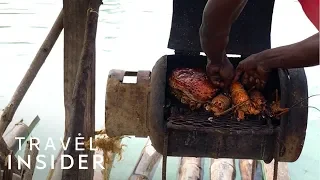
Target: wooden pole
pixel 14 176
pixel 31 155
pixel 147 163
pixel 81 122
pixel 191 168
pixel 222 169
pixel 20 129
pixel 30 75
pixel 245 166
pixel 74 23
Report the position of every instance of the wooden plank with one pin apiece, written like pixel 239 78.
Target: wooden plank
pixel 34 123
pixel 39 59
pixel 81 110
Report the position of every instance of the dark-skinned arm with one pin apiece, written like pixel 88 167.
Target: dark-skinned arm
pixel 218 17
pixel 298 55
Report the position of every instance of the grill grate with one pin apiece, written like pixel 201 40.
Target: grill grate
pixel 206 122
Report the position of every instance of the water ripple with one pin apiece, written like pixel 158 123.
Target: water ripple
pixel 16 42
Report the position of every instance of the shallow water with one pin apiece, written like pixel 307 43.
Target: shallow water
pixel 132 35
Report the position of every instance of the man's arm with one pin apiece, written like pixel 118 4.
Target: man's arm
pixel 299 55
pixel 302 54
pixel 218 17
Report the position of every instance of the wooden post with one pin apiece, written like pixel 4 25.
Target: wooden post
pixel 74 23
pixel 31 155
pixel 147 163
pixel 30 75
pixel 81 118
pixel 222 169
pixel 191 168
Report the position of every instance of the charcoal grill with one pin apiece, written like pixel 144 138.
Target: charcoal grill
pixel 147 108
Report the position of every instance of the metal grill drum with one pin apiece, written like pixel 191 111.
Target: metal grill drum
pixel 175 131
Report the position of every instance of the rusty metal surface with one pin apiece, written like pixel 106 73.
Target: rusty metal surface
pixel 205 122
pixel 198 134
pixel 294 124
pixel 157 112
pixel 126 110
pixel 146 109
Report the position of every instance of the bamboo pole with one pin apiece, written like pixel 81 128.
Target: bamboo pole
pixel 283 172
pixel 191 168
pixel 245 166
pixel 222 169
pixel 147 163
pixel 31 73
pixel 80 98
pixel 250 169
pixel 20 129
pixel 31 155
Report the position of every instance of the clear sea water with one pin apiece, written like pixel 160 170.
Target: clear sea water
pixel 132 35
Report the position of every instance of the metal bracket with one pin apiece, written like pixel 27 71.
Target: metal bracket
pixel 277 154
pixel 164 159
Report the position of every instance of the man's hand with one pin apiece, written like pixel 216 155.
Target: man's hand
pixel 221 74
pixel 255 73
pixel 298 55
pixel 218 17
